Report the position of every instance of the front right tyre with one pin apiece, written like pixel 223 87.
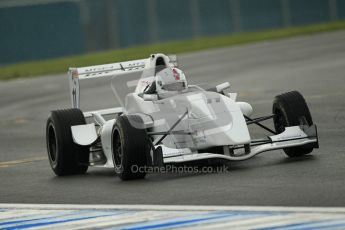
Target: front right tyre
pixel 65 157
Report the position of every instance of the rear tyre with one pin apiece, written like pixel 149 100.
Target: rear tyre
pixel 130 147
pixel 65 157
pixel 290 109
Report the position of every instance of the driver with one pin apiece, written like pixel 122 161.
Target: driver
pixel 169 82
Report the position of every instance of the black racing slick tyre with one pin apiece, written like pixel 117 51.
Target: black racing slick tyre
pixel 130 147
pixel 291 109
pixel 65 157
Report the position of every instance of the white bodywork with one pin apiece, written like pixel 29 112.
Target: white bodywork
pixel 213 119
pixel 209 119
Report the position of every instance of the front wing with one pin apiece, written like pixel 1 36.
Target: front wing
pixel 292 136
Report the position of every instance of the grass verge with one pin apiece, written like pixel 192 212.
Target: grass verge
pixel 60 65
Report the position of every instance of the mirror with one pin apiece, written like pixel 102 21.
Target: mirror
pixel 222 87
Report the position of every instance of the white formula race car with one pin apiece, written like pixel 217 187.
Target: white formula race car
pixel 166 121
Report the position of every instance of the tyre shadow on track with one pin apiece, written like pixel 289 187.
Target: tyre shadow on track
pixel 263 162
pixel 300 159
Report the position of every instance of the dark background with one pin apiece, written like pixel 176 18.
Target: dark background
pixel 37 30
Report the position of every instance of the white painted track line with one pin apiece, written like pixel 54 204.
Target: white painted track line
pixel 58 216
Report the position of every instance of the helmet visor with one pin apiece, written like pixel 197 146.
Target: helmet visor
pixel 176 86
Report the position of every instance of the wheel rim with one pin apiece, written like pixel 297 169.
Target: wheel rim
pixel 52 144
pixel 279 121
pixel 117 152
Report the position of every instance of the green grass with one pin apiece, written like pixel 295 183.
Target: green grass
pixel 60 65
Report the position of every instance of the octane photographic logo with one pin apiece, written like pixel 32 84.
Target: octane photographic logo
pixel 174 169
pixel 180 169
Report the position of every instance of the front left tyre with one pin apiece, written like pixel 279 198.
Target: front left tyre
pixel 291 109
pixel 65 157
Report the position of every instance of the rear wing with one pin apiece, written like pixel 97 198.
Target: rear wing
pixel 108 70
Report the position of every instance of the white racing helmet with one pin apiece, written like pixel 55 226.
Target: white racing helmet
pixel 170 80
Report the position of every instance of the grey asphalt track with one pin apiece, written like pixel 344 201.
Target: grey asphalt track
pixel 314 65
